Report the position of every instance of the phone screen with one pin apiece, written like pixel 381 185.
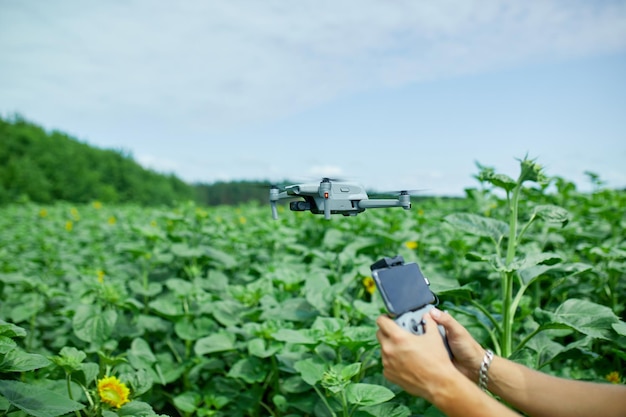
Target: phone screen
pixel 403 288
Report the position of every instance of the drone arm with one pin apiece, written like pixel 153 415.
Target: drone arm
pixel 382 203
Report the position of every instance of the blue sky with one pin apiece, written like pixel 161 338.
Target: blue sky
pixel 393 94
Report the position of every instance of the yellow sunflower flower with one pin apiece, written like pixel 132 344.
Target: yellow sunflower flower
pixel 370 285
pixel 112 391
pixel 613 377
pixel 411 244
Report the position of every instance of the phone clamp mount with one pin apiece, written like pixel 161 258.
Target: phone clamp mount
pixel 413 319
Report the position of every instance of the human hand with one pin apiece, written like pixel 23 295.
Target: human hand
pixel 468 354
pixel 418 363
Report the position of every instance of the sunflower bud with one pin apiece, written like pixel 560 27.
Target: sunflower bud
pixel 531 171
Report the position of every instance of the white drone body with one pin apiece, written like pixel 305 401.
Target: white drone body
pixel 333 197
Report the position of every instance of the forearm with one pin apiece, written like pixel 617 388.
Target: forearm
pixel 459 397
pixel 542 395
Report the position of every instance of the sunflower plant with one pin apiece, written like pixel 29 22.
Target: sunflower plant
pixel 521 263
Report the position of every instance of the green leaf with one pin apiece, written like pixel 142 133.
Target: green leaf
pixel 368 394
pixel 218 342
pixel 292 309
pixel 357 335
pixel 357 243
pixel 552 214
pixel 535 259
pixel 259 348
pixel 183 250
pixel 350 371
pixel 387 410
pixel 11 330
pixel 140 381
pixel 280 402
pixel 227 312
pixel 250 370
pixel 137 409
pixel 168 306
pixel 554 272
pixel 216 281
pixel 316 289
pixel 187 401
pixel 179 287
pixel 37 401
pixel 328 324
pixel 620 328
pixel 294 385
pixel 17 360
pixel 92 325
pixel 476 257
pixel 333 239
pixel 464 291
pixel 90 370
pixel 153 288
pixel 311 370
pixel 478 225
pixel 227 261
pixel 140 354
pixel 6 344
pixel 433 411
pixel 584 316
pixel 302 336
pixel 488 174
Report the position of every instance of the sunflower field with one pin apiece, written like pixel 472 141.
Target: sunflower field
pixel 119 310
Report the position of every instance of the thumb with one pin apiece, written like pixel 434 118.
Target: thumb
pixel 430 325
pixel 447 321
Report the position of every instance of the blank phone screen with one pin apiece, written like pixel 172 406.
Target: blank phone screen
pixel 403 288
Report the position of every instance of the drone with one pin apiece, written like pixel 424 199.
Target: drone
pixel 333 197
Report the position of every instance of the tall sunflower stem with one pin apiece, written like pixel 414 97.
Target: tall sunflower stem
pixel 507 277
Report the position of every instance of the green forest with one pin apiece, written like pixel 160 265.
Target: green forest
pixel 46 167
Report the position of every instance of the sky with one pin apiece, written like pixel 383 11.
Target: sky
pixel 393 94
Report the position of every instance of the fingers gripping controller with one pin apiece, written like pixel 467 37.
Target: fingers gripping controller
pixel 413 322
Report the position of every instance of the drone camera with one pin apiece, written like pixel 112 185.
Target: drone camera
pixel 299 206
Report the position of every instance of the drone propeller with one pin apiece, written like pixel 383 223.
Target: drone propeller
pixel 329 179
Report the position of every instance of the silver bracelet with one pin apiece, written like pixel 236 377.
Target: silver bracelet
pixel 483 378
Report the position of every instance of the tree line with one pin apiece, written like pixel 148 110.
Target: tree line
pixel 45 167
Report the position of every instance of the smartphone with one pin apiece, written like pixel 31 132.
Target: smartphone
pixel 403 288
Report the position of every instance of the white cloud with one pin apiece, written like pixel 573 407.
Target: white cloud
pixel 224 63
